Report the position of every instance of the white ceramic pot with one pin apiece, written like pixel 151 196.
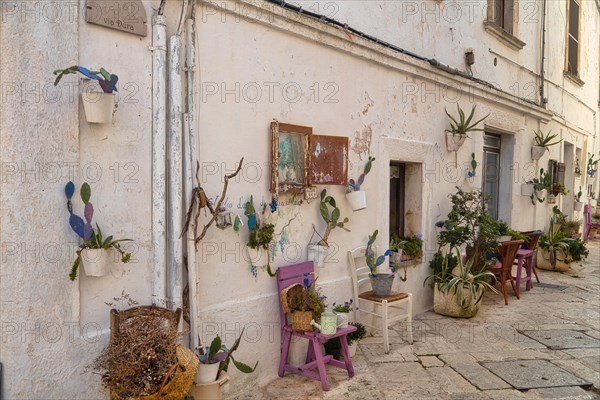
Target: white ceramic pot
pixel 342 319
pixel 551 198
pixel 357 200
pixel 526 189
pixel 454 141
pixel 593 202
pixel 98 106
pixel 352 348
pixel 207 373
pixel 209 391
pixel 578 206
pixel 96 262
pixel 317 254
pixel 504 238
pixel 537 152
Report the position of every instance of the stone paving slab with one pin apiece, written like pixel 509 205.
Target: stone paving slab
pixel 467 366
pixel 430 361
pixel 533 374
pixel 563 339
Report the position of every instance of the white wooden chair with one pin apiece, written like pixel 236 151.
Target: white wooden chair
pixel 390 309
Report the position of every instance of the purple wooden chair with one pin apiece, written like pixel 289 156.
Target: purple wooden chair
pixel 287 276
pixel 587 223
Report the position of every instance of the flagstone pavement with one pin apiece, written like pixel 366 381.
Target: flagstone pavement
pixel 449 358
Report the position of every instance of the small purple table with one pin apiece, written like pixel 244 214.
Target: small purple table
pixel 527 256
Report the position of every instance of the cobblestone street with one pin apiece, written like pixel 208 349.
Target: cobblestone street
pixel 547 344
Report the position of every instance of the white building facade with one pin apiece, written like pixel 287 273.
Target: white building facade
pixel 380 73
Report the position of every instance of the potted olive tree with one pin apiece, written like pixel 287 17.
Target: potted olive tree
pixel 98 106
pixel 542 142
pixel 460 127
pixel 317 252
pixel 95 251
pixel 356 197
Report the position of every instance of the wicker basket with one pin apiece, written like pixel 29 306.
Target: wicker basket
pixel 288 294
pixel 301 321
pixel 182 377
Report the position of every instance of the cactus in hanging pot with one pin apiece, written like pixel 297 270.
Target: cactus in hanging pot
pixel 97 105
pixel 578 206
pixel 592 166
pixel 330 213
pixel 93 253
pixel 356 197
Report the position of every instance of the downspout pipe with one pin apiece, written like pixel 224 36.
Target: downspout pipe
pixel 159 189
pixel 189 153
pixel 174 175
pixel 543 99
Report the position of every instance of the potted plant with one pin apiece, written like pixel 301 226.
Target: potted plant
pixel 542 143
pixel 469 224
pixel 334 346
pixel 592 166
pixel 317 252
pixel 578 206
pixel 553 250
pixel 305 303
pixel 544 182
pixel 381 283
pixel 216 358
pixel 459 128
pixel 592 199
pixel 356 197
pixel 261 235
pixel 342 311
pixel 577 249
pixel 595 217
pixel 98 106
pixel 577 167
pixel 571 228
pixel 457 289
pixel 403 250
pixel 94 251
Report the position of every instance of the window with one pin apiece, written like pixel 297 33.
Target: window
pixel 503 14
pixel 397 190
pixel 572 51
pixel 491 172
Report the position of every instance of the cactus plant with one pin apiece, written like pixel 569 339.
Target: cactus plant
pixel 331 215
pixel 371 258
pixel 354 186
pixel 92 239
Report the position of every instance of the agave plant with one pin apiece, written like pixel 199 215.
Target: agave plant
pixel 354 186
pixel 463 125
pixel 545 140
pixel 92 239
pixel 554 242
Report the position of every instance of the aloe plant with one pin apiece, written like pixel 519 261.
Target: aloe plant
pixel 354 186
pixel 331 215
pixel 463 125
pixel 92 239
pixel 545 140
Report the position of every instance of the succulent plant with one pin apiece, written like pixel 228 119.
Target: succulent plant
pixel 371 258
pixel 355 186
pixel 106 80
pixel 331 215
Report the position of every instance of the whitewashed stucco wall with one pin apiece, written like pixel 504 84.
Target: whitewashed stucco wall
pixel 348 87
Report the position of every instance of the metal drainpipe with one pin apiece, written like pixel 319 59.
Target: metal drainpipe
pixel 174 175
pixel 543 56
pixel 159 99
pixel 189 167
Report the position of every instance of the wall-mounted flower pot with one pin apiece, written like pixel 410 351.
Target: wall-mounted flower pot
pixel 95 262
pixel 593 203
pixel 212 390
pixel 526 189
pixel 98 106
pixel 551 198
pixel 317 254
pixel 537 152
pixel 382 284
pixel 591 172
pixel 578 206
pixel 454 141
pixel 357 200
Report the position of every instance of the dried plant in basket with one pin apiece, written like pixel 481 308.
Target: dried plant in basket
pixel 139 355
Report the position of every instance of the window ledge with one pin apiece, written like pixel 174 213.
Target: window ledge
pixel 573 78
pixel 503 35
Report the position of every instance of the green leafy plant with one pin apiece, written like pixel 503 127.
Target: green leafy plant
pixel 218 352
pixel 463 125
pixel 331 215
pixel 452 275
pixel 308 298
pixel 577 249
pixel 545 140
pixel 468 223
pixel 558 189
pixel 359 334
pixel 261 234
pixel 558 217
pixel 411 246
pixel 544 182
pixel 346 307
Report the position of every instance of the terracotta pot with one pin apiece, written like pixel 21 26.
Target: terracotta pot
pixel 445 303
